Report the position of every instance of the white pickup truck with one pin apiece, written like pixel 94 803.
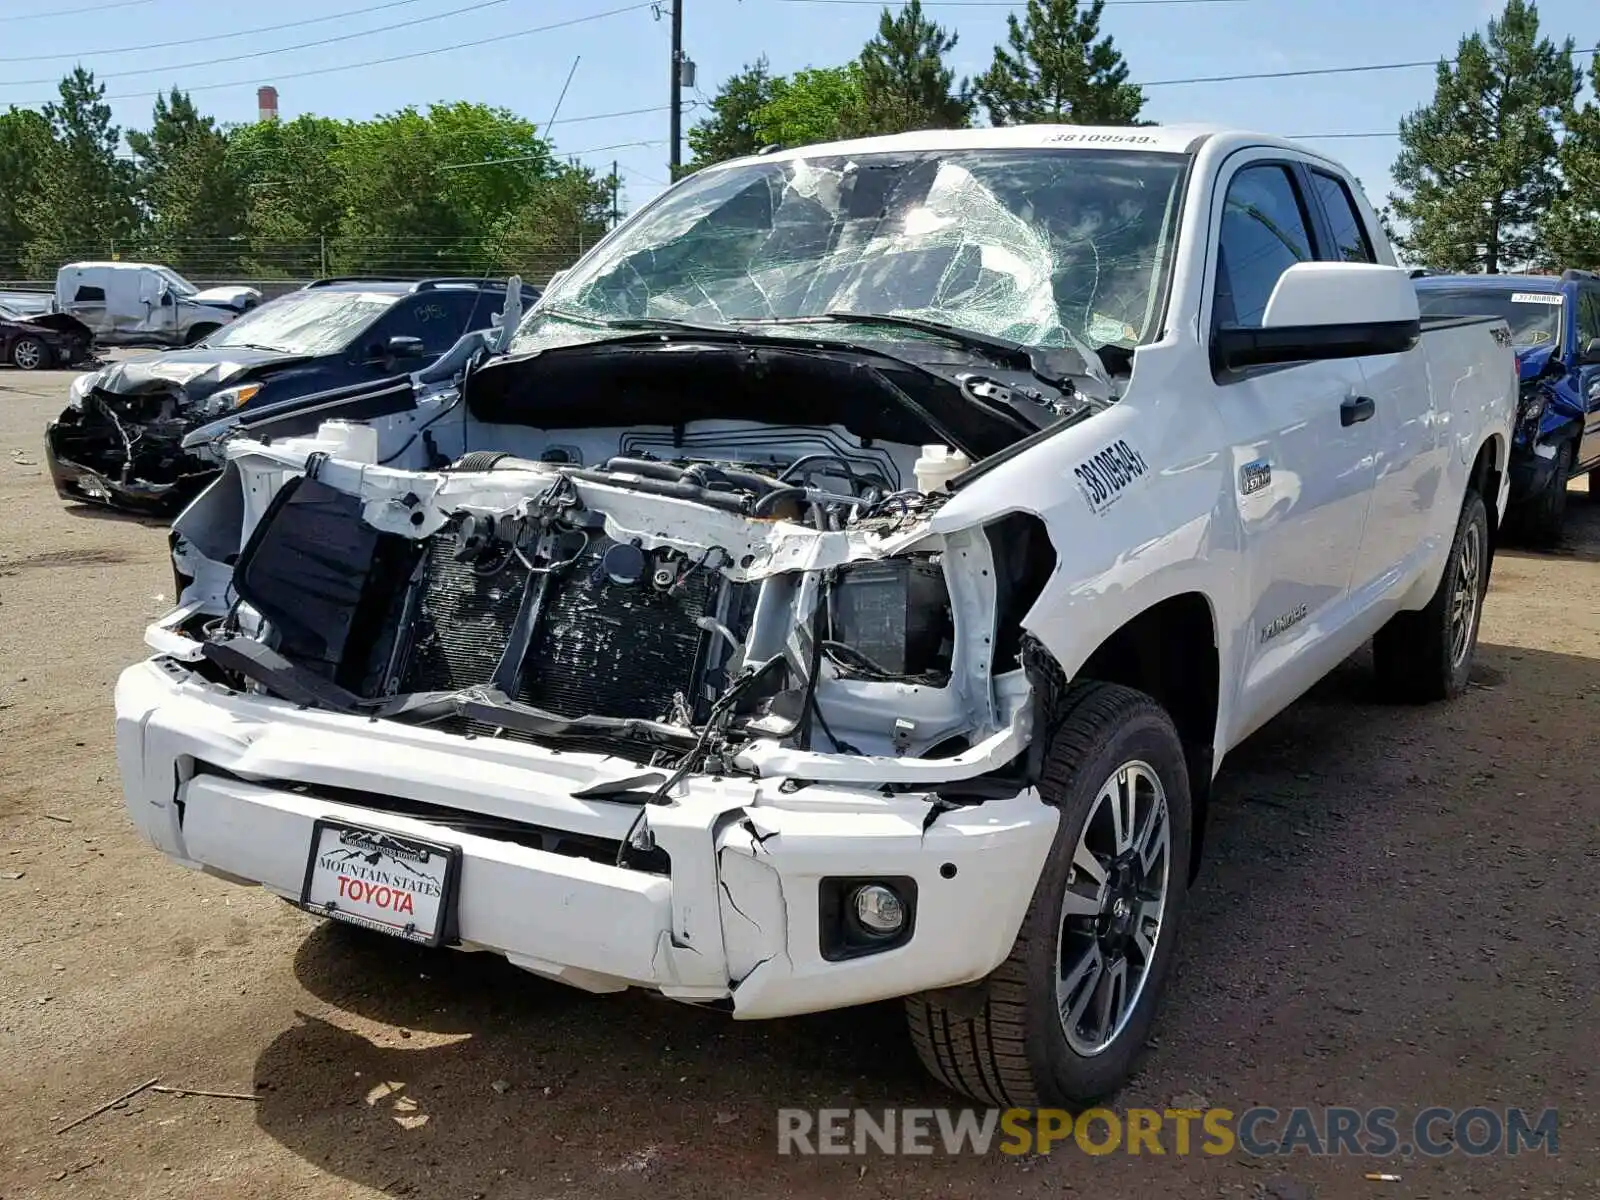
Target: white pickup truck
pixel 845 586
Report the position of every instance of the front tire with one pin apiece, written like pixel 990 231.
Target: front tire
pixel 1427 655
pixel 1062 1021
pixel 30 354
pixel 1544 515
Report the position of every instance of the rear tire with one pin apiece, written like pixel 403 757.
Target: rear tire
pixel 30 354
pixel 1107 908
pixel 1543 515
pixel 1427 655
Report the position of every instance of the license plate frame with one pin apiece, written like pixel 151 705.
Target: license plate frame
pixel 396 848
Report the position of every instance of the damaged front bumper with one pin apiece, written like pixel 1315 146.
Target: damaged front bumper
pixel 131 459
pixel 736 906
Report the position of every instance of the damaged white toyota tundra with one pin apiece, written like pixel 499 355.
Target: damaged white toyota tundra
pixel 844 586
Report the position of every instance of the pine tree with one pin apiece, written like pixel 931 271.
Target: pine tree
pixel 1059 68
pixel 82 202
pixel 905 83
pixel 1569 233
pixel 193 193
pixel 729 132
pixel 1477 166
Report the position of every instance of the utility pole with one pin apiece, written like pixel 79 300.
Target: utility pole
pixel 677 90
pixel 616 216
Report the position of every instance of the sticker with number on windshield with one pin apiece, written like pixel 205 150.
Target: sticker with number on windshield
pixel 1536 297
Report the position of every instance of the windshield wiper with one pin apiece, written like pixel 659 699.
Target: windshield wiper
pixel 1052 365
pixel 243 346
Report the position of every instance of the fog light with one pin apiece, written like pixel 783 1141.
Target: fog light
pixel 878 910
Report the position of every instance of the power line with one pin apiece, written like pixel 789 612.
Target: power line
pixel 1302 73
pixel 72 12
pixel 502 36
pixel 214 37
pixel 327 41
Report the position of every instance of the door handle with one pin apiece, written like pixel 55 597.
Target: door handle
pixel 1356 408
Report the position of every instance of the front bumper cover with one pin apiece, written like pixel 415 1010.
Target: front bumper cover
pixel 1532 474
pixel 232 784
pixel 89 463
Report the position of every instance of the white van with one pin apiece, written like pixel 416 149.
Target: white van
pixel 141 304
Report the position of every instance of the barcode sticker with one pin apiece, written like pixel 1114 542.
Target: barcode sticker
pixel 1536 297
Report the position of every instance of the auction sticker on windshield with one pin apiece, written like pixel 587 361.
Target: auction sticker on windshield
pixel 1536 298
pixel 382 881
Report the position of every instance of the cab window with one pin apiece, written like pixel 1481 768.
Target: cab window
pixel 1264 233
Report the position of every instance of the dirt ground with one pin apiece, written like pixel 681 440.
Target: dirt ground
pixel 1396 911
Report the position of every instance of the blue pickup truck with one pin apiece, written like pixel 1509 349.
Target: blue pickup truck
pixel 1555 327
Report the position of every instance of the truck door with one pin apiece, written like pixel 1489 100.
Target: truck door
pixel 1410 454
pixel 1589 375
pixel 1302 450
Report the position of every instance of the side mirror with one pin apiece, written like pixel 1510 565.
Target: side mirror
pixel 398 348
pixel 1591 353
pixel 1326 310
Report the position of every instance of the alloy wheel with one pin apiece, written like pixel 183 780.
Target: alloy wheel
pixel 27 354
pixel 1114 907
pixel 1465 594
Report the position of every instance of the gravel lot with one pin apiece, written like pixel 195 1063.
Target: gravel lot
pixel 1397 910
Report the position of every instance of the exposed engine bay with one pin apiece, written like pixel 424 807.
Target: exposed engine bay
pixel 718 594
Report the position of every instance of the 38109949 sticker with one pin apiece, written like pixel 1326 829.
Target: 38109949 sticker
pixel 1106 474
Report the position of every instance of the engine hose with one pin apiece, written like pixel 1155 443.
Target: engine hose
pixel 734 502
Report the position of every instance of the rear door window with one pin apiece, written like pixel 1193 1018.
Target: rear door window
pixel 1264 233
pixel 1350 239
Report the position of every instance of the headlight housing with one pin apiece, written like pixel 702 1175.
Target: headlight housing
pixel 220 403
pixel 79 388
pixel 1530 411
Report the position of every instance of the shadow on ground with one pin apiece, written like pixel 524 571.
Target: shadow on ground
pixel 1333 922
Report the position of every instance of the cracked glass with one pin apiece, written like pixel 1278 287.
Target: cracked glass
pixel 308 322
pixel 1044 246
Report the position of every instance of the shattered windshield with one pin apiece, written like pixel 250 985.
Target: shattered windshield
pixel 308 322
pixel 1044 246
pixel 1534 317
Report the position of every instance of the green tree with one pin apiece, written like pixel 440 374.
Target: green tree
pixel 1477 166
pixel 1569 232
pixel 905 83
pixel 557 219
pixel 193 191
pixel 810 106
pixel 82 200
pixel 291 176
pixel 411 203
pixel 25 144
pixel 1059 68
pixel 730 130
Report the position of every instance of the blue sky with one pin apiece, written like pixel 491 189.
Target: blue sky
pixel 623 64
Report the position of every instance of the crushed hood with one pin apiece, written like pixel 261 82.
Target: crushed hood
pixel 57 322
pixel 1532 360
pixel 194 373
pixel 227 297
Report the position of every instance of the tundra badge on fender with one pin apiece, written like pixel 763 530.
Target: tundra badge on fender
pixel 1104 476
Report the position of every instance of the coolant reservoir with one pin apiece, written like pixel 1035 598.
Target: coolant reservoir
pixel 354 441
pixel 937 466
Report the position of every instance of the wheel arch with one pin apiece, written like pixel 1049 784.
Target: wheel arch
pixel 1488 473
pixel 1171 652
